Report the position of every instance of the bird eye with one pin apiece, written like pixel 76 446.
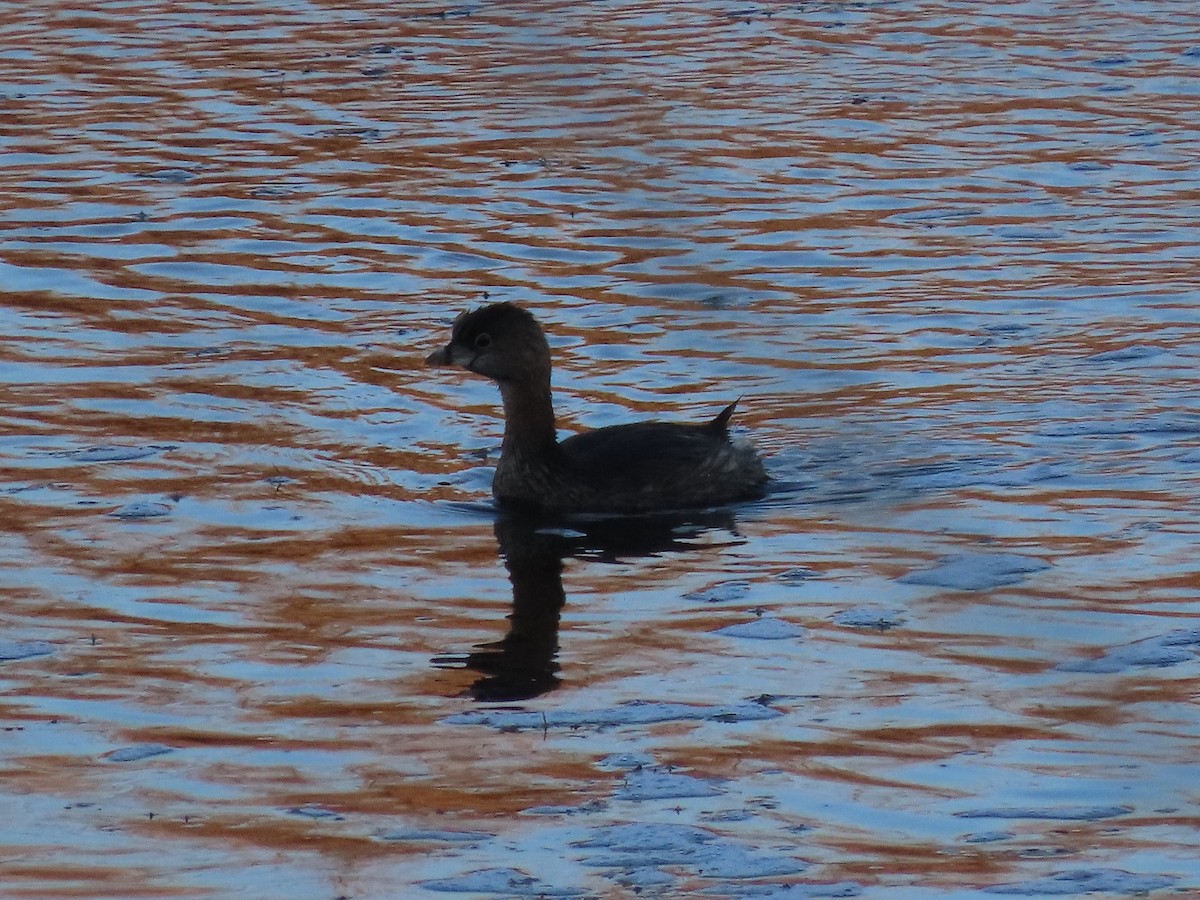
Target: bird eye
pixel 483 341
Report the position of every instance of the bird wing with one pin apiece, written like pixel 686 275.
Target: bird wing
pixel 645 452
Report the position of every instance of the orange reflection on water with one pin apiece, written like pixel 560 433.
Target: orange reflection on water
pixel 945 256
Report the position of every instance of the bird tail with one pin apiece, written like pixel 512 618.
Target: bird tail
pixel 720 425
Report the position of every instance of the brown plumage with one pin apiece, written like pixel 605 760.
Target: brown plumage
pixel 643 467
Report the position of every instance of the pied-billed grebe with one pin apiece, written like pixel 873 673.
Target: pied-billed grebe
pixel 635 468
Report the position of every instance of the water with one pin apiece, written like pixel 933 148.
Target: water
pixel 946 254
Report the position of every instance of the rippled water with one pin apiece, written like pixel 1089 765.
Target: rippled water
pixel 254 623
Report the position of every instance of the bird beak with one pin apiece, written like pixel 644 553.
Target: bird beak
pixel 439 358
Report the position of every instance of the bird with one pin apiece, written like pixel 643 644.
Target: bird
pixel 643 467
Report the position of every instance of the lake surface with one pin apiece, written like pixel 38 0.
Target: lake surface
pixel 265 636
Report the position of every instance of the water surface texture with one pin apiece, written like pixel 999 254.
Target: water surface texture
pixel 264 636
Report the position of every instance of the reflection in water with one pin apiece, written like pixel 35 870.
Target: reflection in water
pixel 523 663
pixel 946 251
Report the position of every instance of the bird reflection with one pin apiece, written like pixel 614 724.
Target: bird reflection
pixel 523 664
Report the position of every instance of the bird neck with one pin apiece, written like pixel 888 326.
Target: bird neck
pixel 528 416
